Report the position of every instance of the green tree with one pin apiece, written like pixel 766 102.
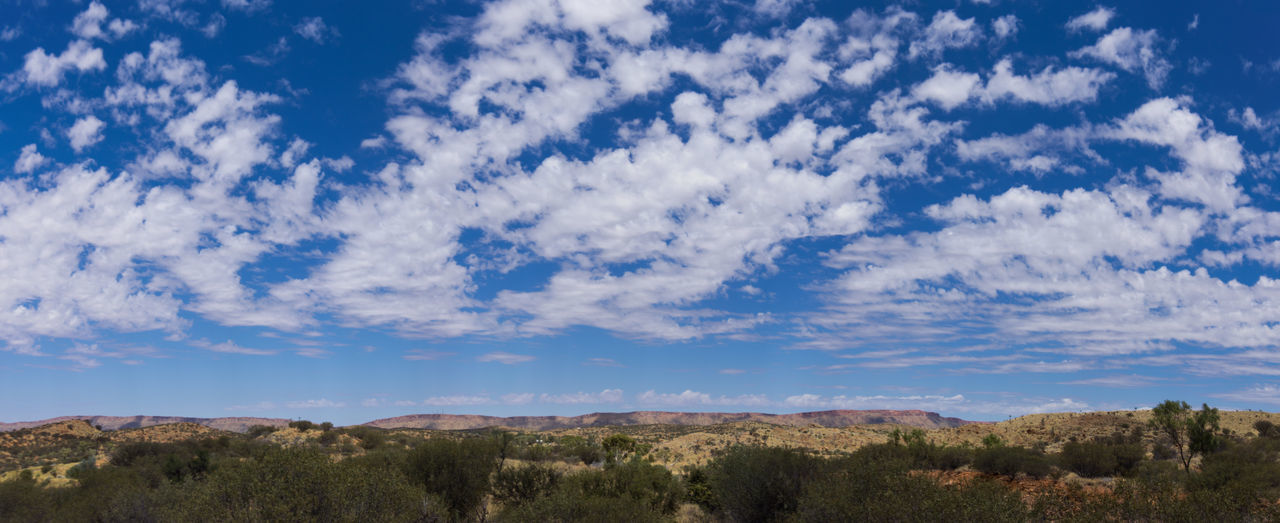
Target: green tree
pixel 1190 433
pixel 617 446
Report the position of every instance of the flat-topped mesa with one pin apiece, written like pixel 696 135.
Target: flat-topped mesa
pixel 231 424
pixel 825 418
pixel 828 418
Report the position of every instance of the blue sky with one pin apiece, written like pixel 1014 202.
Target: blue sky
pixel 344 212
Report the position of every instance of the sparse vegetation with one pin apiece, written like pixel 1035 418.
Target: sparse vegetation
pixel 602 474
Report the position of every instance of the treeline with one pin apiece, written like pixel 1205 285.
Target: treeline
pixel 1179 468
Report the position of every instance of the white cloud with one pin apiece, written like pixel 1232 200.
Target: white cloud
pixel 505 358
pixel 214 26
pixel 518 398
pixel 1005 26
pixel 29 160
pixel 88 24
pixel 47 70
pixel 248 6
pixel 602 362
pixel 376 142
pixel 456 401
pixel 691 398
pixel 1048 87
pixel 947 88
pixel 230 347
pixel 774 8
pixel 1132 51
pixel 1095 20
pixel 1038 150
pixel 1266 393
pixel 426 354
pixel 260 406
pixel 86 132
pixel 923 402
pixel 1210 159
pixel 313 28
pixel 604 396
pixel 270 55
pixel 315 404
pixel 1249 119
pixel 946 31
pixel 1117 381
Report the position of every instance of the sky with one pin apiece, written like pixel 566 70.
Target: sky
pixel 347 211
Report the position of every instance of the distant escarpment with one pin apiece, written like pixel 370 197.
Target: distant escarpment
pixel 826 418
pixel 133 422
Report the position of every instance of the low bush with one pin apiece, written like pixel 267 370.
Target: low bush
pixel 1098 459
pixel 761 483
pixel 520 485
pixel 1011 461
pixel 458 471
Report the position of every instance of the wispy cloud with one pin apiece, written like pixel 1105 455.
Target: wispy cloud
pixel 505 358
pixel 426 354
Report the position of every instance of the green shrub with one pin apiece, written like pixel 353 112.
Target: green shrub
pixel 1251 469
pixel 302 425
pixel 327 438
pixel 370 437
pixel 1099 459
pixel 22 499
pixel 882 492
pixel 630 491
pixel 761 483
pixel 697 487
pixel 518 485
pixel 1010 461
pixel 458 471
pixel 299 485
pixel 563 506
pixel 257 431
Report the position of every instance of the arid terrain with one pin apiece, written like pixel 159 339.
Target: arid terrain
pixel 682 439
pixel 949 453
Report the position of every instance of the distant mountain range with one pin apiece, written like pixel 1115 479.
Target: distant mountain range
pixel 826 418
pixel 133 422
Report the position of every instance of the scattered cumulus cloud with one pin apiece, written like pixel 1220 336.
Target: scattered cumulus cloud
pixel 1095 20
pixel 315 29
pixel 29 160
pixel 1131 51
pixel 86 132
pixel 46 70
pixel 1098 237
pixel 946 31
pixel 1005 26
pixel 315 404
